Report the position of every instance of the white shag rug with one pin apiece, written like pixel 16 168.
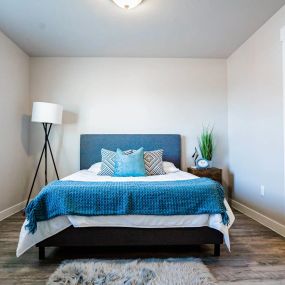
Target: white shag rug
pixel 182 271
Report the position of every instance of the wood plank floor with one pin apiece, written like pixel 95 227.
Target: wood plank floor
pixel 257 257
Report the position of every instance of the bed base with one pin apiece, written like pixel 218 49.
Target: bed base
pixel 118 236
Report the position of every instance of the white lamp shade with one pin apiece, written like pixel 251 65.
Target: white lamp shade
pixel 47 113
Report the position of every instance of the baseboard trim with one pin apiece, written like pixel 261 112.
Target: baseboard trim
pixel 12 210
pixel 267 222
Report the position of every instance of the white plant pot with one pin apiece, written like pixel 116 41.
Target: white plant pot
pixel 210 163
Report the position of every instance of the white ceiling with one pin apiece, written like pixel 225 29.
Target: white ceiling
pixel 156 28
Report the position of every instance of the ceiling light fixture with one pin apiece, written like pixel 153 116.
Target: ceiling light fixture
pixel 127 4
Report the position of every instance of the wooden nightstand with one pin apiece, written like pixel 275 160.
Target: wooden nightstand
pixel 213 173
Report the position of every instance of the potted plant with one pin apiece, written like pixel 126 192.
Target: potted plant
pixel 206 144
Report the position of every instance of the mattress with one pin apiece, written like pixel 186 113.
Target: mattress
pixel 51 227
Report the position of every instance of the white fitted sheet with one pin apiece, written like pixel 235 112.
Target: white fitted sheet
pixel 51 227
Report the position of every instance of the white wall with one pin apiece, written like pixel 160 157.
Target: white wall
pixel 14 123
pixel 119 95
pixel 255 108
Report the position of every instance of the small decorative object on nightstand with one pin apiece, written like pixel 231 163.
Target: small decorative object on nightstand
pixel 213 173
pixel 202 163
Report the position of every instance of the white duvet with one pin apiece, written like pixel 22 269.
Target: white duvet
pixel 51 227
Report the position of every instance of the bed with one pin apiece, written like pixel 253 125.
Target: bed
pixel 139 230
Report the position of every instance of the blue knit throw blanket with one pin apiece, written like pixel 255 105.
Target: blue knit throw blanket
pixel 180 197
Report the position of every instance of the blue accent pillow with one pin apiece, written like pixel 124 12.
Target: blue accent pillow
pixel 129 165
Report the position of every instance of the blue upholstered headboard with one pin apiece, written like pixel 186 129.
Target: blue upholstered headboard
pixel 91 145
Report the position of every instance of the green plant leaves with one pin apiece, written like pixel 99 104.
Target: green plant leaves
pixel 206 143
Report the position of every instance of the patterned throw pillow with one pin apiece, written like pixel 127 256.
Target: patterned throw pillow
pixel 108 161
pixel 153 162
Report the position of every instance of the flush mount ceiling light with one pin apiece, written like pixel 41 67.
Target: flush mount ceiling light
pixel 127 4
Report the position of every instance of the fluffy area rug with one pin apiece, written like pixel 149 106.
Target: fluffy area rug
pixel 186 271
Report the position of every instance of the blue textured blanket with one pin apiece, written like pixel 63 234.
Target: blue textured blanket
pixel 181 197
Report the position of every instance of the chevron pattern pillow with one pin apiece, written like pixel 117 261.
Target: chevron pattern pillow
pixel 108 161
pixel 153 162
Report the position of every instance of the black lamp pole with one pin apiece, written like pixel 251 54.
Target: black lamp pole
pixel 47 129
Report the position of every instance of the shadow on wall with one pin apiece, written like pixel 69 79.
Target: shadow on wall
pixel 230 186
pixel 183 153
pixel 69 117
pixel 25 133
pixel 25 141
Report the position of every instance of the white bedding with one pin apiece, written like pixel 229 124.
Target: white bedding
pixel 51 227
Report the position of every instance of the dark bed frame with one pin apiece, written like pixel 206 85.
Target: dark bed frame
pixel 90 152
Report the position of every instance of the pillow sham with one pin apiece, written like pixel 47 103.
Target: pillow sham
pixel 153 162
pixel 169 167
pixel 129 165
pixel 108 161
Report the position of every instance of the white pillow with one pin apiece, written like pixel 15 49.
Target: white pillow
pixel 95 168
pixel 169 167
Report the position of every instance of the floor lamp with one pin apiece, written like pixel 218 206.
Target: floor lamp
pixel 47 114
